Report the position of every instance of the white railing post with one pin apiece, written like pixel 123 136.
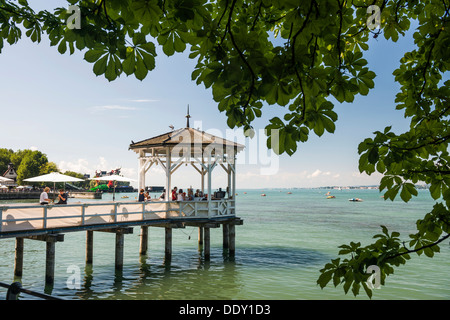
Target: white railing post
pixel 166 214
pixel 44 221
pixel 195 208
pixel 83 212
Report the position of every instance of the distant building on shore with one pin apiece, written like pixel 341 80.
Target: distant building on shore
pixel 10 173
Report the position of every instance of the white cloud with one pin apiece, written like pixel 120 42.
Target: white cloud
pixel 144 100
pixel 80 166
pixel 112 107
pixel 318 173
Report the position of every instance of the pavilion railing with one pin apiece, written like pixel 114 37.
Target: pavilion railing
pixel 16 217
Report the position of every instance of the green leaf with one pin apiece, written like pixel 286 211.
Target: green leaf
pixel 148 59
pixel 355 288
pixel 129 64
pixel 179 45
pixel 111 69
pixel 168 48
pixel 367 289
pixel 62 47
pixel 405 194
pixel 93 55
pixel 324 278
pixel 100 65
pixel 141 69
pixel 435 190
pixel 319 127
pixel 373 155
pixel 146 11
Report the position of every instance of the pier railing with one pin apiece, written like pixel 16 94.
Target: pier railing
pixel 16 217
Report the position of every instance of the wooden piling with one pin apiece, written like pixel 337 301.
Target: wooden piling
pixel 207 243
pixel 200 236
pixel 50 263
pixel 18 262
pixel 168 243
pixel 120 232
pixel 89 246
pixel 144 240
pixel 226 236
pixel 50 240
pixel 119 250
pixel 232 243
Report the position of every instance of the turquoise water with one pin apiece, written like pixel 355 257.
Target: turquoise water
pixel 284 242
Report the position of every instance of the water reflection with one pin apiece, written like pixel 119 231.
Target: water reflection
pixel 279 257
pixel 188 275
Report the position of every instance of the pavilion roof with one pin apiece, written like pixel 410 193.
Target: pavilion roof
pixel 184 136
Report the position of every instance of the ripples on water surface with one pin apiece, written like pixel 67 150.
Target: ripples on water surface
pixel 284 242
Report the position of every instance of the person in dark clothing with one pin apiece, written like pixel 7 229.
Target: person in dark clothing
pixel 62 197
pixel 141 196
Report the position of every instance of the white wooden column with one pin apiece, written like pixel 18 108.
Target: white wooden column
pixel 141 182
pixel 203 175
pixel 233 169
pixel 229 171
pixel 209 171
pixel 168 174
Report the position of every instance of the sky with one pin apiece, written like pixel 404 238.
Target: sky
pixel 55 104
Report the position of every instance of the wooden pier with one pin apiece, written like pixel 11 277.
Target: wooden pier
pixel 191 147
pixel 25 195
pixel 49 223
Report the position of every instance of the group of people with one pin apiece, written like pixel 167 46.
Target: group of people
pixel 180 195
pixel 45 199
pixel 175 195
pixel 144 196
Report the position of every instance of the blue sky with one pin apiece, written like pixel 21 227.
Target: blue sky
pixel 56 104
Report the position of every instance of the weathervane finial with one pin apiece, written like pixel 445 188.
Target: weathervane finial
pixel 187 117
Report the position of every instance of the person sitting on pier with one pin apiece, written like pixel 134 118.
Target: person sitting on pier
pixel 62 197
pixel 43 199
pixel 198 194
pixel 141 196
pixel 190 195
pixel 174 194
pixel 147 196
pixel 163 195
pixel 180 195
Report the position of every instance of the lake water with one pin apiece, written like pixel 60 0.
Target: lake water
pixel 284 242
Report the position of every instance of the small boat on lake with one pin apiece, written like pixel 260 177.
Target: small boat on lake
pixel 355 200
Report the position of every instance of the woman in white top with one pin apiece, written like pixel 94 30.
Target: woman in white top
pixel 180 196
pixel 43 199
